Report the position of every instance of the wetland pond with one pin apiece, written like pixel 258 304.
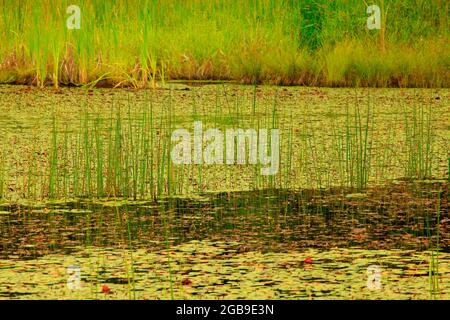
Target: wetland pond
pixel 92 208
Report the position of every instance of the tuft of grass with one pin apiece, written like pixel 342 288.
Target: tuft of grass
pixel 419 135
pixel 352 147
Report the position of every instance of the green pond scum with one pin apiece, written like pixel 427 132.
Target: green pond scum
pixel 216 150
pixel 216 271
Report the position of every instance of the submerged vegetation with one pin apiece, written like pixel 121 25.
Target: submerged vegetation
pixel 289 42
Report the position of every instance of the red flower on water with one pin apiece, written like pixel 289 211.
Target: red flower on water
pixel 106 289
pixel 308 260
pixel 186 282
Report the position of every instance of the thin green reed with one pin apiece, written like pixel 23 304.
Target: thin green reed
pixel 112 155
pixel 200 178
pixel 128 163
pixel 289 153
pixel 168 147
pixel 362 140
pixel 273 126
pixel 139 155
pixel 65 163
pixel 99 152
pixel 253 118
pixel 151 152
pixel 2 173
pixel 77 170
pixel 53 175
pixel 35 46
pixel 135 128
pixel 311 145
pixel 348 149
pixel 87 186
pixel 162 149
pixel 337 147
pixel 144 154
pixel 419 136
pixel 433 270
pixel 125 165
pixel 132 152
pixel 109 168
pixel 195 117
pixel 117 155
pixel 28 183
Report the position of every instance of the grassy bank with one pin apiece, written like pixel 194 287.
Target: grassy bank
pixel 140 42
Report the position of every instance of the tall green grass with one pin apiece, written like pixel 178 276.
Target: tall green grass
pixel 308 42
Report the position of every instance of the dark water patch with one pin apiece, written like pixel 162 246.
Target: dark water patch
pixel 401 216
pixel 14 294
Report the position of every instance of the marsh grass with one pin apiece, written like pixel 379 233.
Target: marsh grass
pixel 141 42
pixel 352 147
pixel 419 141
pixel 53 175
pixel 128 154
pixel 122 150
pixel 112 157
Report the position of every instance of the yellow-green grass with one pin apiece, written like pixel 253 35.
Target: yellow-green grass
pixel 140 42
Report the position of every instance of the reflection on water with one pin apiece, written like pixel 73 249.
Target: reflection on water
pixel 398 216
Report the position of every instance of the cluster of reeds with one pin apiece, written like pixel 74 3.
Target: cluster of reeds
pixel 338 155
pixel 124 150
pixel 118 156
pixel 419 141
pixel 353 149
pixel 286 42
